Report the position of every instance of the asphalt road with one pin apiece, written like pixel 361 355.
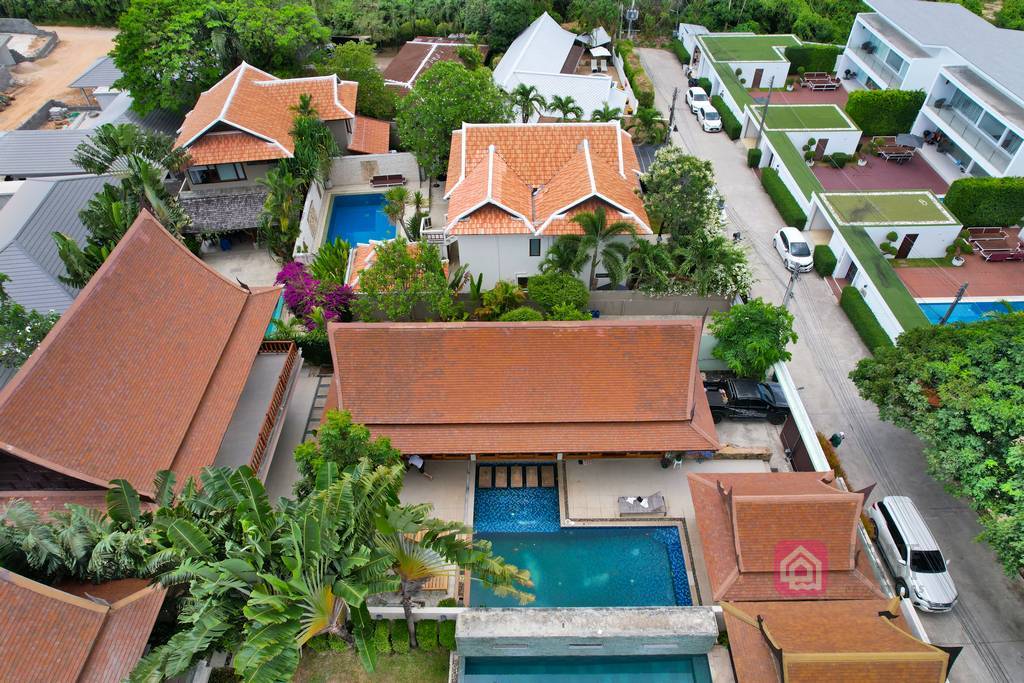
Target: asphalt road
pixel 988 621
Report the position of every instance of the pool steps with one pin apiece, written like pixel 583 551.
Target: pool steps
pixel 515 476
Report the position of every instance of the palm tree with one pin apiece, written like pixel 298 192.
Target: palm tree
pixel 305 106
pixel 282 210
pixel 599 241
pixel 501 298
pixel 710 263
pixel 394 208
pixel 527 100
pixel 563 256
pixel 648 126
pixel 650 265
pixel 314 144
pixel 606 113
pixel 566 107
pixel 107 216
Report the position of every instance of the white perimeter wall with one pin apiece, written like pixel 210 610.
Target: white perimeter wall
pixel 747 70
pixel 844 257
pixel 771 159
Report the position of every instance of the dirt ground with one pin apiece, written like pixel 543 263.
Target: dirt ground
pixel 48 78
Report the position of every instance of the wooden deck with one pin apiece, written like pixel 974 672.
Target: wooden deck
pixel 501 477
pixel 547 476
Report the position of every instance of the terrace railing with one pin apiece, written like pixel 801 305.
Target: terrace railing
pixel 980 143
pixel 883 73
pixel 276 400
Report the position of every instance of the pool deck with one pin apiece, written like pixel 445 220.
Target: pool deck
pixel 450 492
pixel 985 280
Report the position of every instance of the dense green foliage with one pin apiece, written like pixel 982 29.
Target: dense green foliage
pixel 382 636
pixel 885 112
pixel 21 329
pixel 342 442
pixel 600 241
pixel 680 52
pixel 400 637
pixel 426 634
pixel 446 634
pixel 811 20
pixel 647 126
pixel 1011 15
pixel 681 193
pixel 548 290
pixel 824 260
pixel 987 202
pixel 780 195
pixel 813 57
pixel 64 12
pixel 730 124
pixel 752 337
pixel 354 62
pixel 754 157
pixel 444 97
pixel 499 300
pixel 960 387
pixel 404 282
pixel 522 314
pixel 863 320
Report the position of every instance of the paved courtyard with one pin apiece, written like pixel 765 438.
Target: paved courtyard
pixel 984 279
pixel 245 261
pixel 989 619
pixel 880 174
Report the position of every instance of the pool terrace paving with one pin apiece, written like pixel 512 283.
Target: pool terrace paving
pixel 879 174
pixel 752 48
pixel 800 95
pixel 985 280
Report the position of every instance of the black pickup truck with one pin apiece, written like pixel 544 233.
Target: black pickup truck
pixel 745 399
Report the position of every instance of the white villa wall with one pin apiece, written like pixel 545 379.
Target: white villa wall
pixel 771 159
pixel 311 225
pixel 874 300
pixel 842 141
pixel 931 240
pixel 501 257
pixel 778 70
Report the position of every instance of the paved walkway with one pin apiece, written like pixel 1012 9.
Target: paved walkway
pixel 989 619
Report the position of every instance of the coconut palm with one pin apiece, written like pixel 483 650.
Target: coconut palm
pixel 314 145
pixel 599 242
pixel 282 210
pixel 606 113
pixel 650 265
pixel 395 200
pixel 563 256
pixel 305 106
pixel 527 100
pixel 566 107
pixel 647 126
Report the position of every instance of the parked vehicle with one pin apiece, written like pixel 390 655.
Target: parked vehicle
pixel 912 555
pixel 709 118
pixel 794 250
pixel 745 399
pixel 695 98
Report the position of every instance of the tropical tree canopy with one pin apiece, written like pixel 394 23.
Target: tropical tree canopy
pixel 21 329
pixel 354 61
pixel 752 337
pixel 602 242
pixel 401 278
pixel 527 100
pixel 680 192
pixel 343 443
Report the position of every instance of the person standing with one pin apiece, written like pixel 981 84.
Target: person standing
pixel 417 462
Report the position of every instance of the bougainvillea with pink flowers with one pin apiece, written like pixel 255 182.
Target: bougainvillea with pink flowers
pixel 303 294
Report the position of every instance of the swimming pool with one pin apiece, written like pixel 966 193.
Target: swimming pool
pixel 359 218
pixel 614 566
pixel 967 311
pixel 674 669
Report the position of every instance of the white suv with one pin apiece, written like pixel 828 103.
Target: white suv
pixel 709 118
pixel 696 98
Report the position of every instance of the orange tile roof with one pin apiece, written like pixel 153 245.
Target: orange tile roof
pixel 568 164
pixel 546 387
pixel 45 503
pixel 257 105
pixel 491 184
pixel 849 641
pixel 48 635
pixel 418 55
pixel 178 341
pixel 563 224
pixel 370 136
pixel 742 523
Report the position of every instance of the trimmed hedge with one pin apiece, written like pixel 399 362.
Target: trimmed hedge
pixel 704 84
pixel 812 57
pixel 754 157
pixel 400 637
pixel 884 112
pixel 521 315
pixel 426 635
pixel 730 125
pixel 549 290
pixel 446 634
pixel 790 211
pixel 987 202
pixel 680 52
pixel 382 636
pixel 824 260
pixel 863 320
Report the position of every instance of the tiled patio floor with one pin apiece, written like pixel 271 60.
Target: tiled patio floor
pixel 805 96
pixel 991 280
pixel 446 492
pixel 879 174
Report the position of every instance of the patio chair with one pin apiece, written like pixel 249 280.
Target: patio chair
pixel 655 506
pixel 387 180
pixel 1003 253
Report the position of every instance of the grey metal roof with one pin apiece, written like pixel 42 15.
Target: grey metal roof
pixel 28 254
pixel 101 74
pixel 996 52
pixel 37 153
pixel 159 120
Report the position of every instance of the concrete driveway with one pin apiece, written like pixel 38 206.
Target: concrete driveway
pixel 989 618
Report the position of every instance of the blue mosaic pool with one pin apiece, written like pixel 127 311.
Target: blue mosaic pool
pixel 359 218
pixel 968 311
pixel 634 566
pixel 587 669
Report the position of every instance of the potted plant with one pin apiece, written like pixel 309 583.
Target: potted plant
pixel 959 246
pixel 887 248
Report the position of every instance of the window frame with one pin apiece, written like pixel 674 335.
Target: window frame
pixel 237 167
pixel 534 242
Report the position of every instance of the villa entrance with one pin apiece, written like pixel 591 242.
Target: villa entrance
pixel 906 246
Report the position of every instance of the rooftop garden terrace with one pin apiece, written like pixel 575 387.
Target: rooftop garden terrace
pixel 748 48
pixel 789 117
pixel 887 209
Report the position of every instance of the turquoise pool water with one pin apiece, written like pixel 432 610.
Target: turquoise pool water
pixel 968 311
pixel 359 218
pixel 587 669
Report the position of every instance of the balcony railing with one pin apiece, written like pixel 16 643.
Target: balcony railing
pixel 276 399
pixel 883 73
pixel 980 144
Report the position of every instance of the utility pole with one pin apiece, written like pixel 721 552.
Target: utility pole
pixel 672 110
pixel 764 113
pixel 632 14
pixel 952 305
pixel 793 277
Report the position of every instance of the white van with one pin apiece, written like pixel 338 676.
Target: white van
pixel 912 555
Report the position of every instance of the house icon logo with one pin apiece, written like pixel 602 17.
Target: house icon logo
pixel 801 568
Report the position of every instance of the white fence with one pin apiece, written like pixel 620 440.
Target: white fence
pixel 311 225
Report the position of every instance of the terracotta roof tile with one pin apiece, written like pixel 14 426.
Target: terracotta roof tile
pixel 844 641
pixel 492 199
pixel 526 387
pixel 233 148
pixel 164 321
pixel 418 55
pixel 564 225
pixel 490 220
pixel 740 535
pixel 370 136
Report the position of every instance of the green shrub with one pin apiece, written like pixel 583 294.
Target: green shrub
pixel 550 289
pixel 863 320
pixel 837 159
pixel 787 206
pixel 446 634
pixel 624 48
pixel 382 636
pixel 680 52
pixel 426 634
pixel 987 202
pixel 448 602
pixel 705 84
pixel 812 57
pixel 824 260
pixel 754 157
pixel 730 124
pixel 884 112
pixel 566 311
pixel 320 643
pixel 645 99
pixel 400 637
pixel 521 315
pixel 1011 15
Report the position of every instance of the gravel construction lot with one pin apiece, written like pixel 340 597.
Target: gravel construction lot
pixel 48 78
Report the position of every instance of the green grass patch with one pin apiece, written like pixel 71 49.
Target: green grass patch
pixel 922 262
pixel 884 278
pixel 806 117
pixel 344 667
pixel 748 48
pixel 887 208
pixel 863 320
pixel 732 84
pixel 795 163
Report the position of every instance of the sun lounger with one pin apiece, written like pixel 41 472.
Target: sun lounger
pixel 896 153
pixel 387 180
pixel 996 255
pixel 992 243
pixel 485 475
pixel 651 506
pixel 532 480
pixel 501 477
pixel 987 232
pixel 517 476
pixel 547 476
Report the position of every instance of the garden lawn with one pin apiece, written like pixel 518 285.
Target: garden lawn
pixel 807 117
pixel 888 208
pixel 344 667
pixel 794 161
pixel 748 48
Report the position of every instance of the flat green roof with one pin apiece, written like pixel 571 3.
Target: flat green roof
pixel 806 117
pixel 882 275
pixel 747 48
pixel 917 208
pixel 795 163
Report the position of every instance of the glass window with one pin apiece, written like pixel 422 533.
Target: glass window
pixel 535 246
pixel 897 538
pixel 1011 143
pixel 927 561
pixel 894 61
pixel 800 249
pixel 216 174
pixel 992 126
pixel 965 105
pixel 523 281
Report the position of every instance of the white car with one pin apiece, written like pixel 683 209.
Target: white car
pixel 794 250
pixel 709 118
pixel 696 98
